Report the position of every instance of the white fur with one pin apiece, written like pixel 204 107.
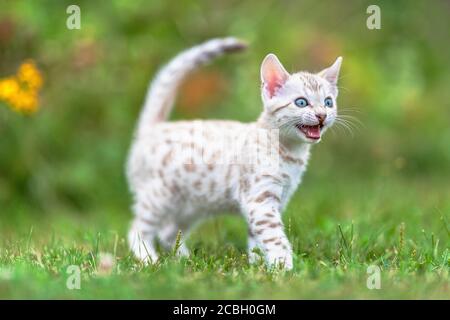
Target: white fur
pixel 181 172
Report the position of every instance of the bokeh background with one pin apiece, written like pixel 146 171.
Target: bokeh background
pixel 62 168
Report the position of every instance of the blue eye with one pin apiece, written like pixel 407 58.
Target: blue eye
pixel 301 102
pixel 329 102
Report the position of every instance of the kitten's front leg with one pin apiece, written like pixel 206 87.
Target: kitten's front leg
pixel 266 228
pixel 253 248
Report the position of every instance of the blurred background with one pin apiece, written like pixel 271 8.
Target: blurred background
pixel 62 167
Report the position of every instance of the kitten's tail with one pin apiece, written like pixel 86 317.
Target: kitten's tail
pixel 162 91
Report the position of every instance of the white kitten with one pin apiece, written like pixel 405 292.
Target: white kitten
pixel 181 172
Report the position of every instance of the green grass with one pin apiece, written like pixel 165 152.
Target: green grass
pixel 380 197
pixel 337 232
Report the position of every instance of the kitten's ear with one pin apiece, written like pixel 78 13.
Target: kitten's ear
pixel 273 75
pixel 331 74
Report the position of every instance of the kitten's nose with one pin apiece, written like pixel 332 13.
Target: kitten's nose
pixel 321 117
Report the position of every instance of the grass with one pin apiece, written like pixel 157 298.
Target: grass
pixel 379 198
pixel 334 240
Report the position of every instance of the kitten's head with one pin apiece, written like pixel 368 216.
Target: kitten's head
pixel 302 105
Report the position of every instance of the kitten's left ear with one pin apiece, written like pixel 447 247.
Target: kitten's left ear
pixel 331 74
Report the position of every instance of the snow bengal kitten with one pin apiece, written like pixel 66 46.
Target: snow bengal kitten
pixel 181 172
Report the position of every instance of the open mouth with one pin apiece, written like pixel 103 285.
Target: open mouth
pixel 311 132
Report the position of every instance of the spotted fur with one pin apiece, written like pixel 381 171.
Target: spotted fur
pixel 181 172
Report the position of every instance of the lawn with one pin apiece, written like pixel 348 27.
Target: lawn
pixel 375 195
pixel 337 230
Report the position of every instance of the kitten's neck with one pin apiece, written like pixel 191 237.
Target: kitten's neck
pixel 295 146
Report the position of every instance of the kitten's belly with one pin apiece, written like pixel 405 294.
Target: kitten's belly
pixel 193 192
pixel 182 162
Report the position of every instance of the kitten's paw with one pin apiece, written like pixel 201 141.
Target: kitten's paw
pixel 283 260
pixel 142 248
pixel 254 256
pixel 144 255
pixel 183 251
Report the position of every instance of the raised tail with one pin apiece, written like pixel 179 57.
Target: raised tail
pixel 162 91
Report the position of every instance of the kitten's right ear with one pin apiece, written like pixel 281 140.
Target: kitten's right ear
pixel 273 75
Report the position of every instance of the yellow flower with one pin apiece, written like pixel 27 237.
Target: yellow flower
pixel 9 88
pixel 21 91
pixel 25 101
pixel 30 75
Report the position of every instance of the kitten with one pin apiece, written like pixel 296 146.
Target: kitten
pixel 181 172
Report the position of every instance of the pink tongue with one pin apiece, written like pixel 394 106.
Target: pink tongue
pixel 314 132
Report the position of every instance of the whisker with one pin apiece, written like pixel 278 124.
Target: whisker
pixel 351 120
pixel 345 128
pixel 348 124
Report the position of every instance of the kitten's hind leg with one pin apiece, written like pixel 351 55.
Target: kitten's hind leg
pixel 143 231
pixel 141 240
pixel 168 236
